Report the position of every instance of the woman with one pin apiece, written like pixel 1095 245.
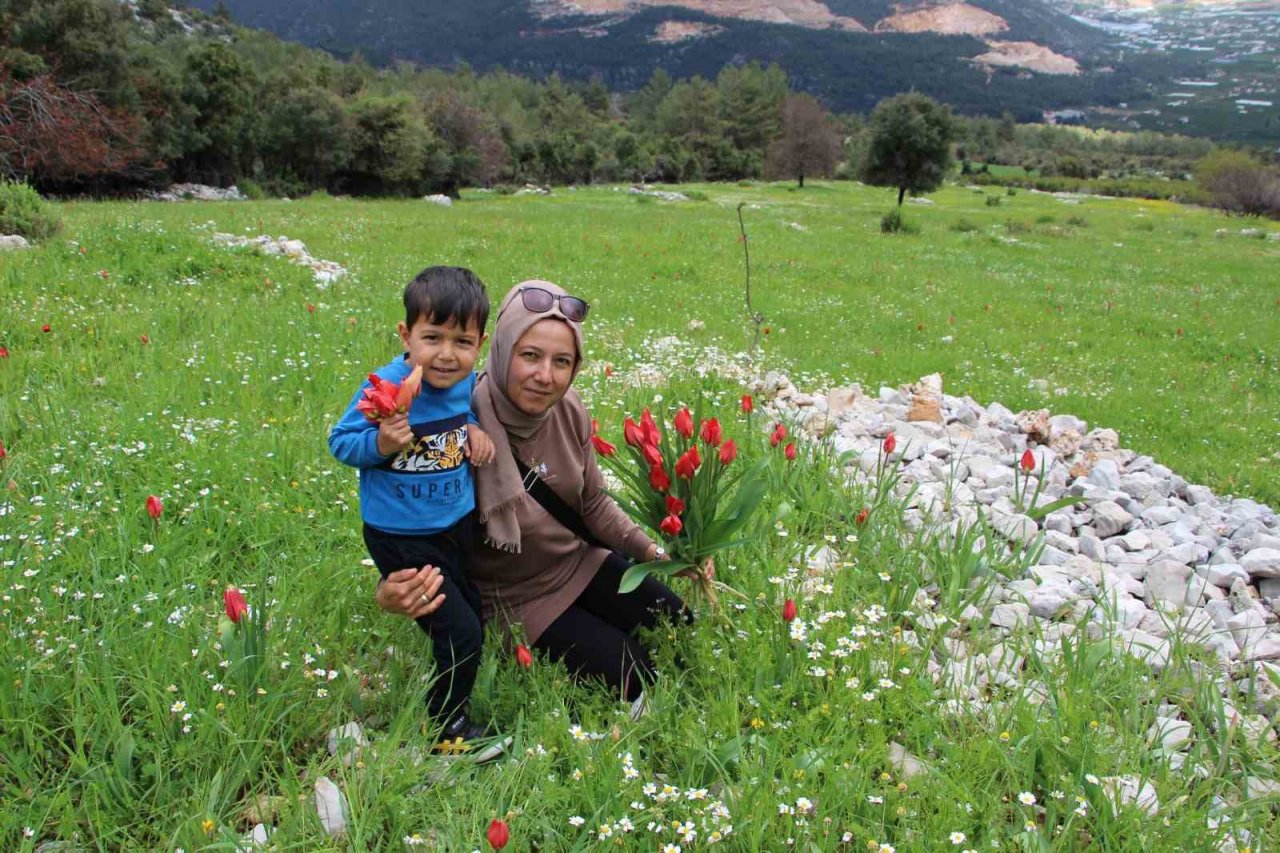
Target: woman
pixel 532 570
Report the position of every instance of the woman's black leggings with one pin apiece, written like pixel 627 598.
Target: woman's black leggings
pixel 595 636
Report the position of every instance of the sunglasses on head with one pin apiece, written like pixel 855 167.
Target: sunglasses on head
pixel 539 299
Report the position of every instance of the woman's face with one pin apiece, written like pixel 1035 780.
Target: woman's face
pixel 541 367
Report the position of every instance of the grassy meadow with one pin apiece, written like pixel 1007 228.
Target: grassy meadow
pixel 209 377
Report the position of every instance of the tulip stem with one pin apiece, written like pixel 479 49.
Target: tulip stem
pixel 756 317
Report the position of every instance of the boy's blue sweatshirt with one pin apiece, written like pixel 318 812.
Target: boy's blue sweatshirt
pixel 427 487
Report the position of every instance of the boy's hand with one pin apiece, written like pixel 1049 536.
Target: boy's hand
pixel 479 446
pixel 394 434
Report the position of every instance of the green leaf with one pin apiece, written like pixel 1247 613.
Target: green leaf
pixel 1037 513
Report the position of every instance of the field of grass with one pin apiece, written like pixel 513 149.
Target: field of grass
pixel 208 377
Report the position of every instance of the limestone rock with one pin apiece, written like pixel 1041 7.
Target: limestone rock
pixel 331 805
pixel 1109 519
pixel 1262 563
pixel 1035 424
pixel 1125 791
pixel 13 241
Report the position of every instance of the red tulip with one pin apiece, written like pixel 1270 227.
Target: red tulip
pixel 498 834
pixel 523 656
pixel 779 435
pixel 632 434
pixel 862 516
pixel 409 389
pixel 728 452
pixel 4 352
pixel 603 447
pixel 154 506
pixel 684 423
pixel 233 602
pixel 688 463
pixel 379 399
pixel 1028 461
pixel 311 309
pixel 46 328
pixel 790 451
pixel 658 479
pixel 608 370
pixel 651 454
pixel 3 452
pixel 748 404
pixel 890 442
pixel 652 435
pixel 767 330
pixel 144 339
pixel 711 432
pixel 675 506
pixel 671 525
pixel 789 610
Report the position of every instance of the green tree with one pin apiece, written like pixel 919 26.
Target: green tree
pixel 305 139
pixel 221 88
pixel 910 144
pixel 393 151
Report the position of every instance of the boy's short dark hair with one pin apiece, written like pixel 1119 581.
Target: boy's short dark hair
pixel 444 295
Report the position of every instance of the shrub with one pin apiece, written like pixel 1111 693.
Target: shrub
pixel 251 189
pixel 24 212
pixel 1046 219
pixel 695 195
pixel 993 201
pixel 964 226
pixel 1238 183
pixel 1077 222
pixel 1016 226
pixel 1010 191
pixel 891 222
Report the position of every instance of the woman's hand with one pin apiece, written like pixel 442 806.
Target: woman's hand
pixel 651 553
pixel 479 448
pixel 411 592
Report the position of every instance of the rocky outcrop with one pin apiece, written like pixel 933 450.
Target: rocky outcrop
pixel 803 13
pixel 948 19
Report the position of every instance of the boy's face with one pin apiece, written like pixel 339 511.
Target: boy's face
pixel 446 353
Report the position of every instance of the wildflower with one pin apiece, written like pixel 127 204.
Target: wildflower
pixel 207 825
pixel 683 423
pixel 46 328
pixel 4 352
pixel 603 447
pixel 748 404
pixel 523 656
pixel 1091 779
pixel 728 452
pixel 144 339
pixel 651 454
pixel 649 429
pixel 631 433
pixel 154 507
pixel 1027 798
pixel 671 525
pixel 498 834
pixel 778 436
pixel 688 463
pixel 311 308
pixel 957 838
pixel 790 451
pixel 789 610
pixel 234 604
pixel 1004 736
pixel 861 518
pixel 659 479
pixel 675 506
pixel 1028 461
pixel 711 432
pixel 3 452
pixel 577 820
pixel 890 443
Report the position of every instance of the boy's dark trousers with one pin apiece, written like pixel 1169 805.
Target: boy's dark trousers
pixel 456 629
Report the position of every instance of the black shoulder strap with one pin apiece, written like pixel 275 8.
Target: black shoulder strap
pixel 553 503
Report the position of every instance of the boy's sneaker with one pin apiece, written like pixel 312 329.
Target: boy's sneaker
pixel 462 737
pixel 639 708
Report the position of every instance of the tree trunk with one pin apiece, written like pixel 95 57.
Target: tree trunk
pixel 802 180
pixel 902 191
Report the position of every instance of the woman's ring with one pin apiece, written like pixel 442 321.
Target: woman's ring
pixel 424 598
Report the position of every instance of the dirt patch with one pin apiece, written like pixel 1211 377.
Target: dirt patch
pixel 671 32
pixel 804 13
pixel 947 19
pixel 1029 55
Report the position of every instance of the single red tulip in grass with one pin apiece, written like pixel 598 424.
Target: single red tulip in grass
pixel 3 452
pixel 684 423
pixel 789 610
pixel 154 507
pixel 1028 461
pixel 46 328
pixel 144 339
pixel 311 308
pixel 711 432
pixel 890 443
pixel 748 404
pixel 675 506
pixel 671 525
pixel 234 604
pixel 728 452
pixel 608 371
pixel 523 656
pixel 4 352
pixel 498 834
pixel 861 517
pixel 790 451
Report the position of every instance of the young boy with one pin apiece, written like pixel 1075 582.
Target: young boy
pixel 416 491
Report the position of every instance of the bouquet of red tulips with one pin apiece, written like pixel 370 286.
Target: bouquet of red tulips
pixel 382 399
pixel 686 489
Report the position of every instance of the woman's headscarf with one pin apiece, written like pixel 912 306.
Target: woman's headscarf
pixel 499 489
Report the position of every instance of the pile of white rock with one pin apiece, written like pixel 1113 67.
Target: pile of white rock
pixel 325 272
pixel 665 195
pixel 197 192
pixel 1144 558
